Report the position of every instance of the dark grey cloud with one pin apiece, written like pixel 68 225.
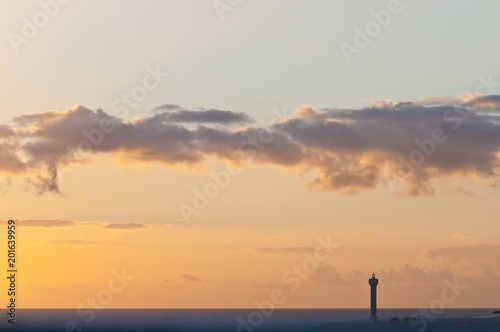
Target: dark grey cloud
pixel 409 143
pixel 47 182
pixel 168 107
pixel 175 113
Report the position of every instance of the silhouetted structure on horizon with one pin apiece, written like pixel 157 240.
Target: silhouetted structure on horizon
pixel 373 297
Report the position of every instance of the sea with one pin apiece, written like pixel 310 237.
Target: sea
pixel 249 320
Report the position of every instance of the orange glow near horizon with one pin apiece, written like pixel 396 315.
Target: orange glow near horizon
pixel 213 262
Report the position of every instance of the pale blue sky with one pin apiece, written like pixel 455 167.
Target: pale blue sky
pixel 265 55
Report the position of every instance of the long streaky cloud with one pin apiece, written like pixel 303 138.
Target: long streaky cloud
pixel 285 250
pixel 47 223
pixel 64 223
pixel 70 242
pixel 406 145
pixel 175 113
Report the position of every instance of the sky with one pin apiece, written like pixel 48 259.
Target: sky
pixel 214 153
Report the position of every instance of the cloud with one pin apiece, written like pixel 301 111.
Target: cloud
pixel 415 274
pixel 489 102
pixel 253 283
pixel 411 143
pixel 326 274
pixel 6 131
pixel 285 250
pixel 273 239
pixel 10 159
pixel 459 236
pixel 190 278
pixel 478 261
pixel 46 223
pixel 410 274
pixel 58 223
pixel 356 149
pixel 123 226
pixel 4 185
pixel 471 251
pixel 70 242
pixel 175 113
pixel 46 183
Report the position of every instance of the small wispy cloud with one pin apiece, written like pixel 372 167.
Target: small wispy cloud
pixel 190 278
pixel 273 239
pixel 327 274
pixel 175 113
pixel 123 227
pixel 470 251
pixel 47 223
pixel 70 242
pixel 284 250
pixel 459 236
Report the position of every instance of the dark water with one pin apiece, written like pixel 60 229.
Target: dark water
pixel 247 320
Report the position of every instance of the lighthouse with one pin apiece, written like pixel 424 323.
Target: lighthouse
pixel 373 297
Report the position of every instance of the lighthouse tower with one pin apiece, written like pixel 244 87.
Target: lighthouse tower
pixel 373 297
